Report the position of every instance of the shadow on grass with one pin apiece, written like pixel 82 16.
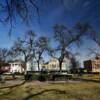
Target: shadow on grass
pixel 12 86
pixel 44 91
pixel 7 93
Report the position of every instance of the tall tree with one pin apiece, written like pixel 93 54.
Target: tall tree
pixel 3 54
pixel 75 65
pixel 66 37
pixel 25 47
pixel 41 46
pixel 93 51
pixel 93 35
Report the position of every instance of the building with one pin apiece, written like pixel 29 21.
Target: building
pixel 92 65
pixel 53 64
pixel 33 66
pixel 16 66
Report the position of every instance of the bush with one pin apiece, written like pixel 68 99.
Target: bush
pixel 35 76
pixel 28 77
pixel 43 76
pixel 32 76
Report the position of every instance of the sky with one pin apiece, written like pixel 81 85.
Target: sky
pixel 51 13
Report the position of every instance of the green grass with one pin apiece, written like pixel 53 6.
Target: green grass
pixel 46 91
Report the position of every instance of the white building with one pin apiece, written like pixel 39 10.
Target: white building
pixel 16 66
pixel 53 64
pixel 33 66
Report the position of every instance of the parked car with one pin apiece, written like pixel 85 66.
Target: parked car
pixel 4 69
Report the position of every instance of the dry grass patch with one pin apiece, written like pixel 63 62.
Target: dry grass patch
pixel 46 91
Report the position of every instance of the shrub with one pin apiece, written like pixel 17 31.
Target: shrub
pixel 32 76
pixel 28 77
pixel 43 76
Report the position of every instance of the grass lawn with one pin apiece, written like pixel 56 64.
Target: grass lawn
pixel 9 77
pixel 47 91
pixel 91 77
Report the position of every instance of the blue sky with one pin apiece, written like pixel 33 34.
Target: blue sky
pixel 68 13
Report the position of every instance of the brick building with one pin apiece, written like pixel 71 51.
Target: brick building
pixel 92 65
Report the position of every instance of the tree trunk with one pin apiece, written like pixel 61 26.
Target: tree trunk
pixel 60 66
pixel 38 62
pixel 25 62
pixel 25 69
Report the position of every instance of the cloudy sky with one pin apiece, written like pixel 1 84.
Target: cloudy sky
pixel 67 13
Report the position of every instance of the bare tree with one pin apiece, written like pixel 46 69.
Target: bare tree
pixel 75 65
pixel 93 51
pixel 26 10
pixel 66 37
pixel 3 54
pixel 21 8
pixel 97 41
pixel 12 9
pixel 3 59
pixel 25 47
pixel 93 35
pixel 41 47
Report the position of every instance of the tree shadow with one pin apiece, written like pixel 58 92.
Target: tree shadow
pixel 13 86
pixel 6 93
pixel 44 91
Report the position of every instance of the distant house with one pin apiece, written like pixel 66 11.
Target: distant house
pixel 53 64
pixel 92 65
pixel 34 65
pixel 16 66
